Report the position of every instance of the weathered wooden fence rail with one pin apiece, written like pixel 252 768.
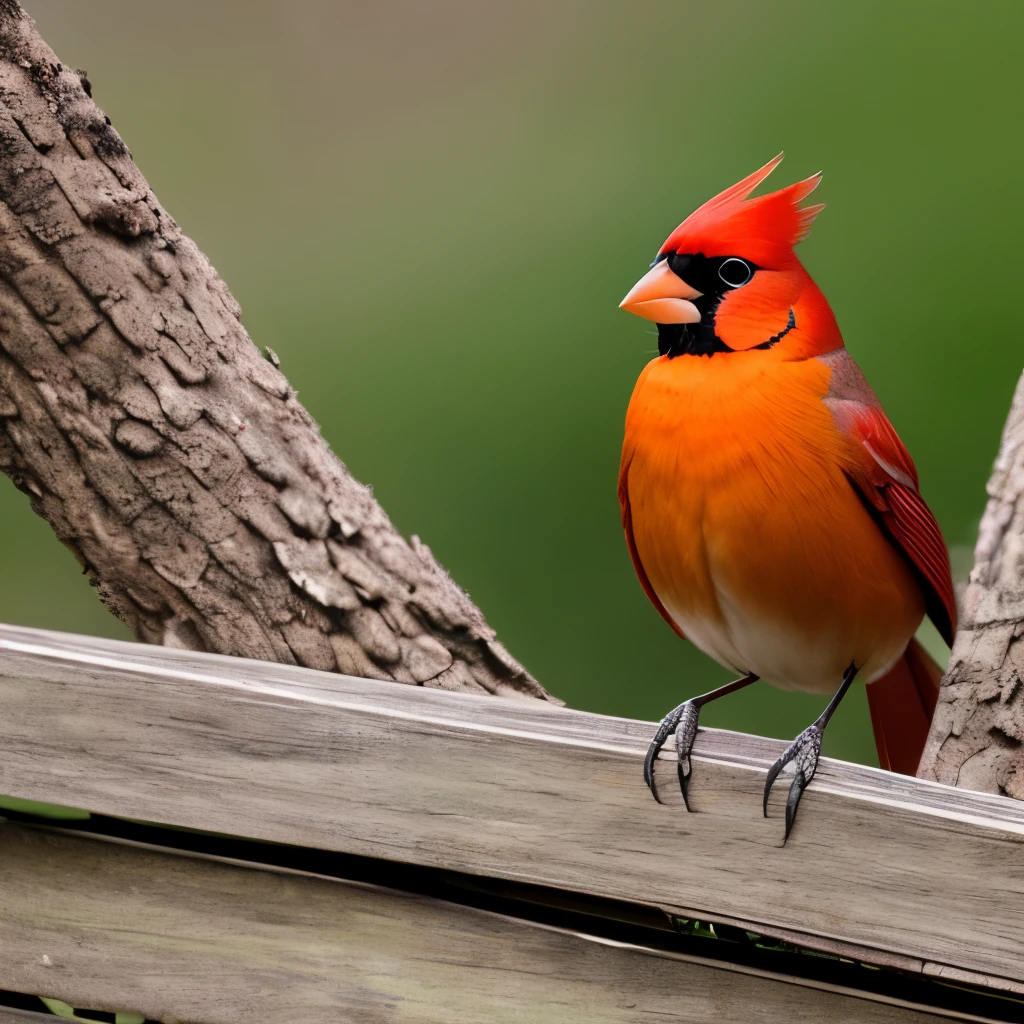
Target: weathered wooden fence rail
pixel 425 792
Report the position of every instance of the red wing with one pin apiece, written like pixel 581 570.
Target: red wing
pixel 627 526
pixel 887 480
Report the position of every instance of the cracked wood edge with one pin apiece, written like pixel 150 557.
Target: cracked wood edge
pixel 880 867
pixel 115 926
pixel 978 730
pixel 171 458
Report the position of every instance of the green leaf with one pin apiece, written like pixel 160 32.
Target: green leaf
pixel 61 1009
pixel 15 803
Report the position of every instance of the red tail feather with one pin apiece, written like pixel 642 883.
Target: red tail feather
pixel 902 704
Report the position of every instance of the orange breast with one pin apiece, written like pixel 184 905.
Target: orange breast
pixel 748 529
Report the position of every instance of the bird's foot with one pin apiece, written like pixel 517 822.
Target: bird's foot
pixel 683 723
pixel 803 751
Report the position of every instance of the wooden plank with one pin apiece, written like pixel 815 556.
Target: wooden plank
pixel 111 926
pixel 894 869
pixel 10 1015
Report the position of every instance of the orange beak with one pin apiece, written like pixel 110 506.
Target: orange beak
pixel 663 297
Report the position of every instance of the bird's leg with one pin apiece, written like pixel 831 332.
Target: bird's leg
pixel 804 751
pixel 683 722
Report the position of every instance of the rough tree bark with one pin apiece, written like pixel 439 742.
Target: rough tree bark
pixel 978 730
pixel 165 452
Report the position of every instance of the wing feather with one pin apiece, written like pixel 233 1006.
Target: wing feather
pixel 887 481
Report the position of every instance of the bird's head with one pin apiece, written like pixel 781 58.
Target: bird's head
pixel 727 279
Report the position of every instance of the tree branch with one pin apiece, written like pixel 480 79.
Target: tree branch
pixel 978 729
pixel 171 458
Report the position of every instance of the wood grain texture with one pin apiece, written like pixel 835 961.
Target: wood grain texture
pixel 166 453
pixel 189 939
pixel 9 1015
pixel 977 734
pixel 883 867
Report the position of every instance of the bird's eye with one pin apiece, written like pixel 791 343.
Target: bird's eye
pixel 735 272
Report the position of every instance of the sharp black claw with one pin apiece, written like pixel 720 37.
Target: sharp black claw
pixel 652 753
pixel 686 733
pixel 796 790
pixel 683 722
pixel 773 774
pixel 804 750
pixel 683 769
pixel 668 723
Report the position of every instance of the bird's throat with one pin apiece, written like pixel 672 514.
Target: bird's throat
pixel 689 340
pixel 697 339
pixel 701 339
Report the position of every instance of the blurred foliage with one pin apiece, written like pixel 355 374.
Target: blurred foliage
pixel 56 812
pixel 61 1009
pixel 431 211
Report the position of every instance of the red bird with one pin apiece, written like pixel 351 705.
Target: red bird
pixel 772 514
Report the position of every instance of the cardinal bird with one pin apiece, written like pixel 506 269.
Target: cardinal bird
pixel 772 514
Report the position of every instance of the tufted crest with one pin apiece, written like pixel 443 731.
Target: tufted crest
pixel 763 230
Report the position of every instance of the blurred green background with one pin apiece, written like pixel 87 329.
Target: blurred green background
pixel 431 210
